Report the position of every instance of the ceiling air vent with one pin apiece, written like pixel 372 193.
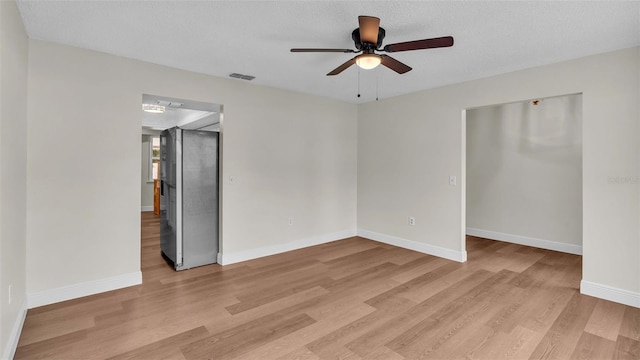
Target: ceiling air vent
pixel 241 76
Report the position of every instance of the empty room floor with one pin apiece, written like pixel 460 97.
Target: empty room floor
pixel 348 299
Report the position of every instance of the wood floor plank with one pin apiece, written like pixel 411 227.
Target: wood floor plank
pixel 426 291
pixel 49 348
pixel 46 325
pixel 419 267
pixel 487 247
pixel 591 346
pixel 478 329
pixel 109 341
pixel 295 304
pixel 606 319
pixel 400 256
pixel 354 329
pixel 495 345
pixel 415 283
pixel 626 349
pixel 347 299
pixel 346 266
pixel 298 354
pixel 200 272
pixel 173 305
pixel 384 353
pixel 279 348
pixel 167 348
pixel 380 335
pixel 342 353
pixel 238 340
pixel 561 340
pixel 263 295
pixel 538 311
pixel 333 302
pixel 466 314
pixel 630 326
pixel 341 249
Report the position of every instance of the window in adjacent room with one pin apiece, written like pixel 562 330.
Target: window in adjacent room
pixel 154 158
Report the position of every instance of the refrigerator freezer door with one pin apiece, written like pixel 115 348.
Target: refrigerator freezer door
pixel 200 197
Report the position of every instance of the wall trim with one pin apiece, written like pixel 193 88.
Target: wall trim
pixel 528 241
pixel 235 257
pixel 74 291
pixel 14 334
pixel 610 293
pixel 146 208
pixel 459 256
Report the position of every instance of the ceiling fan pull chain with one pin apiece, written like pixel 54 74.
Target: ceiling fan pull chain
pixel 377 80
pixel 358 82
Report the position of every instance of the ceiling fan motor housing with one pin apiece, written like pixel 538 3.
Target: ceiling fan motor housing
pixel 367 48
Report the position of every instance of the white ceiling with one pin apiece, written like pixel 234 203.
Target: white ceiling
pixel 254 37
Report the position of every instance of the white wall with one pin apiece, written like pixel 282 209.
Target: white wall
pixel 291 155
pixel 146 187
pixel 408 147
pixel 13 153
pixel 524 172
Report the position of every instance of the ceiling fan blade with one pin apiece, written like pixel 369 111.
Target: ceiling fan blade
pixel 369 28
pixel 322 50
pixel 394 64
pixel 342 67
pixel 444 41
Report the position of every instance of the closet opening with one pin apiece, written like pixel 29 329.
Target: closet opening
pixel 523 173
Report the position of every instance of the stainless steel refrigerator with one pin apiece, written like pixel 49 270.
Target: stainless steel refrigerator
pixel 189 197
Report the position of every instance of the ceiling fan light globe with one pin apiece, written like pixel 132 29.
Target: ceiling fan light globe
pixel 368 61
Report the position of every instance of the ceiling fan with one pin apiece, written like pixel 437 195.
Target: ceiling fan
pixel 368 39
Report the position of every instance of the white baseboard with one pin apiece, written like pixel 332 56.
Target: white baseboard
pixel 69 292
pixel 234 257
pixel 14 334
pixel 460 256
pixel 605 292
pixel 146 208
pixel 528 241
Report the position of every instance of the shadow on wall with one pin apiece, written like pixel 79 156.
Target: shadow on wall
pixel 550 125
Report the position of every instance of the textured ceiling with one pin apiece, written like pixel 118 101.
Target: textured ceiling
pixel 254 37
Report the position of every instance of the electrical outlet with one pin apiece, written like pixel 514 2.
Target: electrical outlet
pixel 290 220
pixel 9 291
pixel 412 221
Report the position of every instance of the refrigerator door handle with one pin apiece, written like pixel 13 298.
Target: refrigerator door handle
pixel 178 183
pixel 161 187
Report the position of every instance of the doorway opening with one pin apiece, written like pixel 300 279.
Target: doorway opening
pixel 160 113
pixel 522 170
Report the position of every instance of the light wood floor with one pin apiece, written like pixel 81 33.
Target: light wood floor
pixel 349 299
